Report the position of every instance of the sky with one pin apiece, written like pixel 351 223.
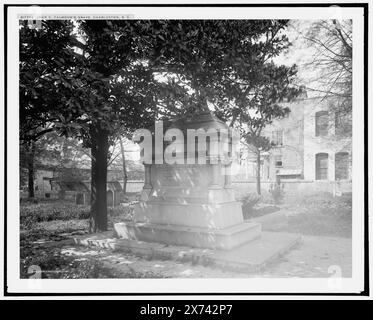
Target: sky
pixel 300 53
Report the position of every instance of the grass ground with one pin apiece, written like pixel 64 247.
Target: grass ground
pixel 318 215
pixel 47 229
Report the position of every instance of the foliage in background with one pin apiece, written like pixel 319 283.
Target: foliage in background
pixel 258 90
pixel 330 42
pixel 33 213
pixel 277 192
pixel 112 76
pixel 248 203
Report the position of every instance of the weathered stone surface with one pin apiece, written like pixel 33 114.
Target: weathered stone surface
pixel 226 238
pixel 208 215
pixel 190 204
pixel 252 256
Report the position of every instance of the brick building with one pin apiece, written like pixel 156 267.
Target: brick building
pixel 312 146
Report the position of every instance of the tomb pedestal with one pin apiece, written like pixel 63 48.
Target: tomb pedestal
pixel 189 204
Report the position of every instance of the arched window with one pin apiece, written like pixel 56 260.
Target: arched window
pixel 321 166
pixel 341 165
pixel 321 123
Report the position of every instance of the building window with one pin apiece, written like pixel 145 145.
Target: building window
pixel 277 137
pixel 321 166
pixel 321 123
pixel 278 161
pixel 341 165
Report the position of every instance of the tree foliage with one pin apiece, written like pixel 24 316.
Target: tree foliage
pixel 258 90
pixel 119 75
pixel 45 66
pixel 330 42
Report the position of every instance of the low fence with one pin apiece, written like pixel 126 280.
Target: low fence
pixel 133 186
pixel 292 188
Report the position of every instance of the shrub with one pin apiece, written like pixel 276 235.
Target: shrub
pixel 29 200
pixel 325 199
pixel 248 203
pixel 277 193
pixel 31 213
pixel 121 213
pixel 325 203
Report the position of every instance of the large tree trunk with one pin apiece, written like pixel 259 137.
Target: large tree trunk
pixel 125 177
pixel 30 170
pixel 258 173
pixel 99 149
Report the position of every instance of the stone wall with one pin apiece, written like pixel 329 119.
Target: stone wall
pixel 133 185
pixel 291 149
pixel 330 144
pixel 301 143
pixel 293 189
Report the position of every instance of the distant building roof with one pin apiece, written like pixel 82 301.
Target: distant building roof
pixel 85 186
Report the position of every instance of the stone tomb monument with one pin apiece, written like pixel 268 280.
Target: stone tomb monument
pixel 190 204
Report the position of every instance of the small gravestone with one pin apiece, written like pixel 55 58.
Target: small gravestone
pixel 190 204
pixel 79 198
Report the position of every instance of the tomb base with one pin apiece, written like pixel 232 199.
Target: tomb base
pixel 225 239
pixel 200 215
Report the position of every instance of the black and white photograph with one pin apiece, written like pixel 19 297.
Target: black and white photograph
pixel 186 149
